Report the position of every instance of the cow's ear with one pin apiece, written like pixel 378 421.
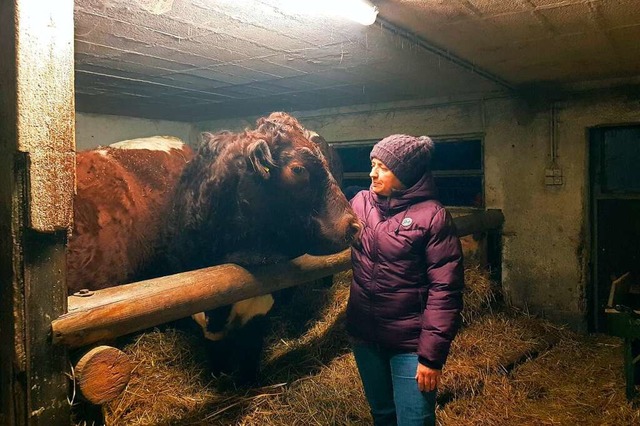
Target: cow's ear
pixel 259 156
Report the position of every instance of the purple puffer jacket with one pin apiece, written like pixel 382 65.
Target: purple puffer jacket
pixel 408 274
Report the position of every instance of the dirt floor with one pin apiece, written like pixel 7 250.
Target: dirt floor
pixel 505 368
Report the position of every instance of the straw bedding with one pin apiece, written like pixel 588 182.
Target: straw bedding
pixel 505 368
pixel 578 381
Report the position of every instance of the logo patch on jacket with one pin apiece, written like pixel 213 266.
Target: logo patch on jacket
pixel 407 221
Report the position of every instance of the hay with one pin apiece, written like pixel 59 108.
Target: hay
pixel 578 381
pixel 480 293
pixel 504 368
pixel 322 335
pixel 493 345
pixel 170 384
pixel 332 397
pixel 166 383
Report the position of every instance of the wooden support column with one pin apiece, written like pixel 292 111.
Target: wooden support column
pixel 37 172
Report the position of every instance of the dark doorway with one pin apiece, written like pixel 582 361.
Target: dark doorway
pixel 615 213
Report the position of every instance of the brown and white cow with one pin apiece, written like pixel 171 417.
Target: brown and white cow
pixel 124 194
pixel 260 196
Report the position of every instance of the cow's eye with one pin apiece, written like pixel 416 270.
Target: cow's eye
pixel 298 170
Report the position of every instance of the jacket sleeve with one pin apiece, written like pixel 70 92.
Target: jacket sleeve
pixel 445 272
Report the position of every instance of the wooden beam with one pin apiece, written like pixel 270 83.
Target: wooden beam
pixel 116 311
pixel 121 310
pixel 102 374
pixel 619 293
pixel 479 222
pixel 37 139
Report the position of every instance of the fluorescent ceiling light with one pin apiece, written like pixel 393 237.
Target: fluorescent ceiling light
pixel 361 11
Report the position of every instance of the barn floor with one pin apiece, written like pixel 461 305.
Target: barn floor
pixel 505 368
pixel 578 381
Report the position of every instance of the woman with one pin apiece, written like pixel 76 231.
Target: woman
pixel 406 294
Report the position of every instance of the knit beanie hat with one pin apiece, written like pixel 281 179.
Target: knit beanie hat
pixel 408 157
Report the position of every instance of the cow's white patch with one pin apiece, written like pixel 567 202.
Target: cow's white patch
pixel 241 312
pixel 201 319
pixel 102 152
pixel 250 308
pixel 153 143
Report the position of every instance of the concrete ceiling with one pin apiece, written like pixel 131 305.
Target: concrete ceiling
pixel 194 60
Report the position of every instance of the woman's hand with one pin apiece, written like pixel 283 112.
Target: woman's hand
pixel 427 378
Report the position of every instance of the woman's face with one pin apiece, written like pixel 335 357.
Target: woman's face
pixel 383 181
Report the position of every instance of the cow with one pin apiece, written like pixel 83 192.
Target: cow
pixel 257 197
pixel 124 193
pixel 154 207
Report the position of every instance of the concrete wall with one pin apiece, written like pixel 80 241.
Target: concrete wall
pixel 547 229
pixel 546 233
pixel 95 129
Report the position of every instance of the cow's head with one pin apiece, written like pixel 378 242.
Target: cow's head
pixel 312 213
pixel 263 195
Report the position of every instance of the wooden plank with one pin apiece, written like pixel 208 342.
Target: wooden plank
pixel 46 109
pixel 37 164
pixel 45 297
pixel 12 392
pixel 629 370
pixel 479 222
pixel 619 290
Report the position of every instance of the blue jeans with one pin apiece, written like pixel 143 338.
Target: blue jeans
pixel 391 389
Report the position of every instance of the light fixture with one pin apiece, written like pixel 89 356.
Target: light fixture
pixel 361 11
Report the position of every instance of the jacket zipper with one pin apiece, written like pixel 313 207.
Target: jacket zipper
pixel 374 274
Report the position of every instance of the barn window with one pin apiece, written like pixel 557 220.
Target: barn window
pixel 620 151
pixel 458 168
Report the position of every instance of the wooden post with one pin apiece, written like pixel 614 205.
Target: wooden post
pixel 37 166
pixel 494 246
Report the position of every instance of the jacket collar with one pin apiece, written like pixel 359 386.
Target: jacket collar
pixel 424 189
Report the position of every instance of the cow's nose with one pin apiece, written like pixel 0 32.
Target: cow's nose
pixel 354 230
